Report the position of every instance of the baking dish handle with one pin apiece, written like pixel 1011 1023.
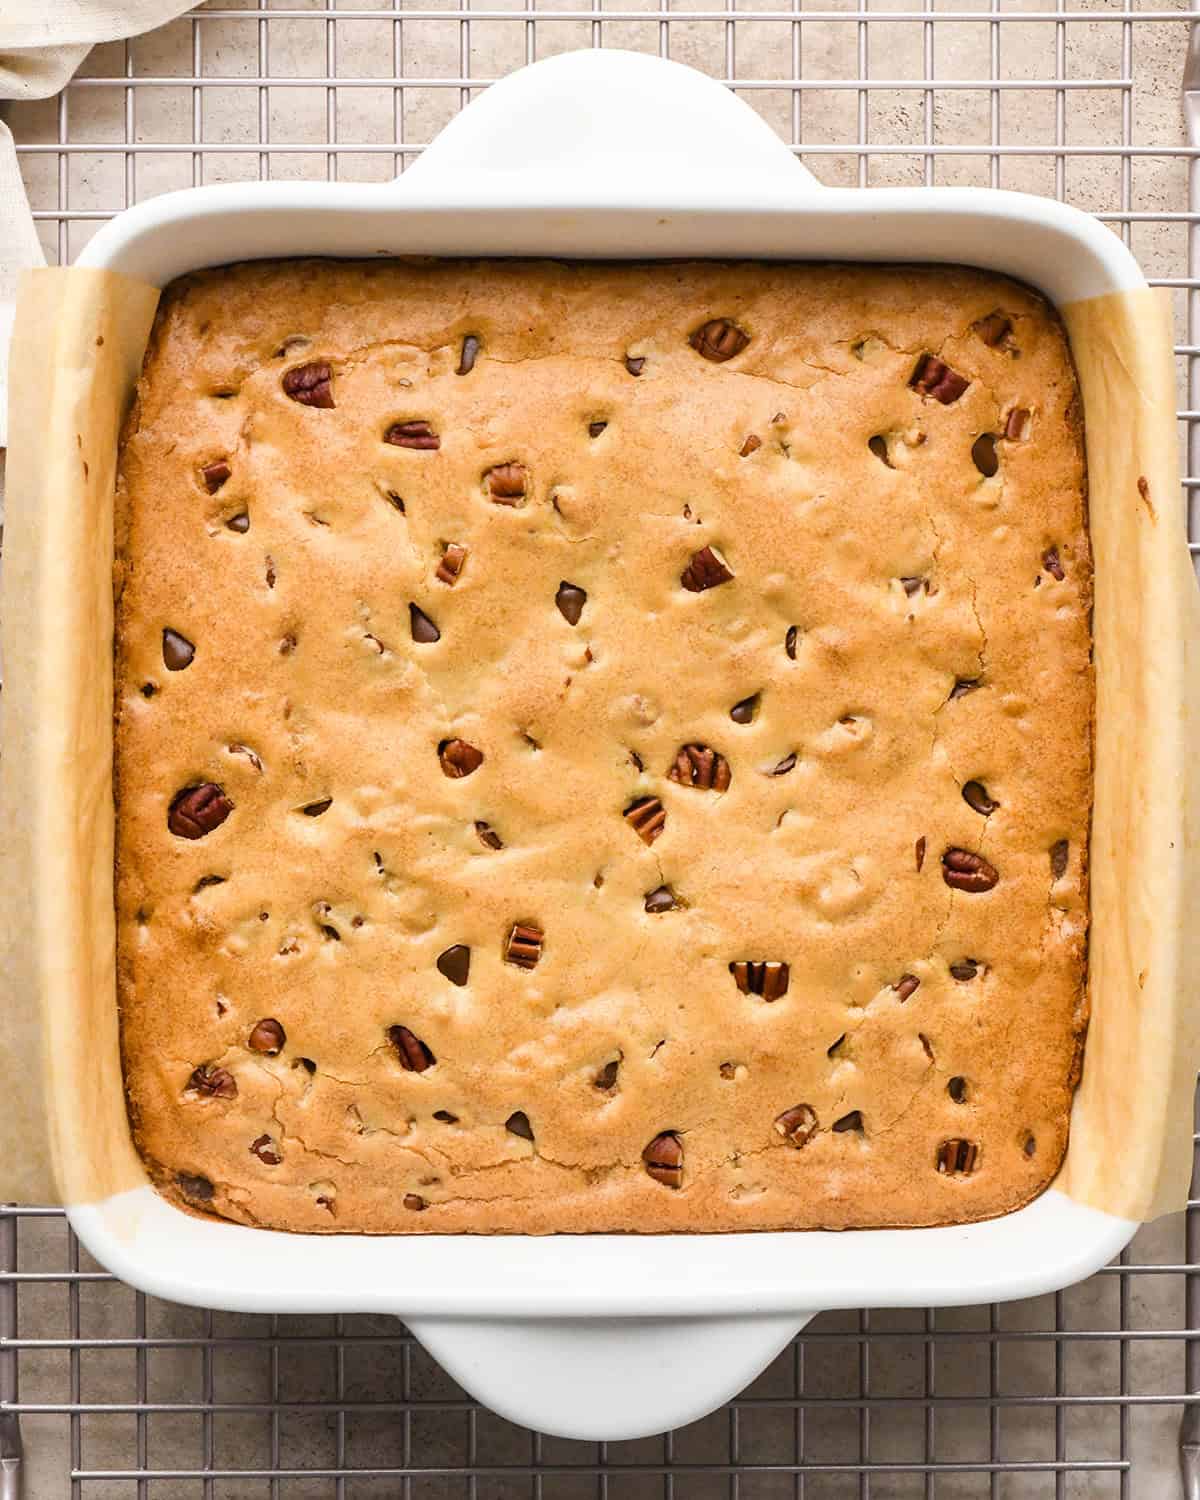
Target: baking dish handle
pixel 643 124
pixel 605 1379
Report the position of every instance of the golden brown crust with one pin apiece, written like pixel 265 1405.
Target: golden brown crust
pixel 361 844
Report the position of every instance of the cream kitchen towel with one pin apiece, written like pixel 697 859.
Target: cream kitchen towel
pixel 42 42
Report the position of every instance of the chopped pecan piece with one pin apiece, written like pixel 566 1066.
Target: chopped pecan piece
pixel 470 350
pixel 766 977
pixel 752 444
pixel 967 871
pixel 782 767
pixel 267 1036
pixel 524 945
pixel 663 1158
pixel 1052 565
pixel 424 631
pixel 414 1055
pixel 957 1158
pixel 213 1082
pixel 661 899
pixel 267 1151
pixel 975 795
pixel 240 522
pixel 963 686
pixel 311 385
pixel 797 1125
pixel 718 340
pixel 702 767
pixel 647 817
pixel 994 329
pixel 635 366
pixel 906 986
pixel 570 600
pixel 1016 425
pixel 932 377
pixel 919 849
pixel 197 810
pixel 177 651
pixel 455 964
pixel 450 568
pixel 415 434
pixel 458 758
pixel 606 1078
pixel 596 428
pixel 215 475
pixel 789 642
pixel 488 836
pixel 507 483
pixel 1059 856
pixel 706 570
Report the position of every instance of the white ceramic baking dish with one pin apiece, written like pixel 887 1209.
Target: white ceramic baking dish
pixel 603 154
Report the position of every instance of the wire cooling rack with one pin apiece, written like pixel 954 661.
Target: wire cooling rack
pixel 1077 1395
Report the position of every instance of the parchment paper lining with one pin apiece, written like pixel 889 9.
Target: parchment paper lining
pixel 77 349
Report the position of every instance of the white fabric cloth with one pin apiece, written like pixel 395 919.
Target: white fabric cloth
pixel 42 42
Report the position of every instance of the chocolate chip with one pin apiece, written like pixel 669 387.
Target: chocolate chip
pixel 975 795
pixel 267 1036
pixel 1029 1145
pixel 789 642
pixel 835 1047
pixel 239 523
pixel 507 483
pixel 215 475
pixel 445 1117
pixel 919 849
pixel 315 809
pixel 266 1150
pixel 718 340
pixel 198 1188
pixel 424 631
pixel 197 810
pixel 635 366
pixel 663 1159
pixel 1052 565
pixel 752 444
pixel 1059 855
pixel 781 768
pixel 934 378
pixel 957 1158
pixel 596 428
pixel 744 711
pixel 307 1064
pixel 310 384
pixel 518 1124
pixel 213 1082
pixel 270 572
pixel 455 963
pixel 957 1089
pixel 647 817
pixel 207 880
pixel 418 435
pixel 524 945
pixel 905 986
pixel 488 836
pixel 177 651
pixel 450 567
pixel 913 585
pixel 766 977
pixel 994 329
pixel 964 969
pixel 606 1078
pixel 852 1121
pixel 661 899
pixel 706 570
pixel 963 686
pixel 415 1203
pixel 1016 425
pixel 701 767
pixel 459 759
pixel 635 760
pixel 728 1070
pixel 570 599
pixel 797 1125
pixel 414 1055
pixel 983 452
pixel 148 690
pixel 967 871
pixel 878 446
pixel 466 359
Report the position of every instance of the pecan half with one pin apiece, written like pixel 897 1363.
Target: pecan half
pixel 424 631
pixel 766 977
pixel 414 1055
pixel 905 986
pixel 449 569
pixel 197 810
pixel 570 600
pixel 470 351
pixel 718 340
pixel 215 475
pixel 957 1158
pixel 267 1036
pixel 415 434
pixel 933 377
pixel 967 871
pixel 647 817
pixel 797 1125
pixel 663 1159
pixel 455 963
pixel 701 767
pixel 975 795
pixel 311 385
pixel 507 483
pixel 267 1151
pixel 213 1082
pixel 706 570
pixel 459 759
pixel 524 945
pixel 177 651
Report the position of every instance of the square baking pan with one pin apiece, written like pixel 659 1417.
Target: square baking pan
pixel 615 1336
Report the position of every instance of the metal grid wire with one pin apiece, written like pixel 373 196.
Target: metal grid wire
pixel 1088 1393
